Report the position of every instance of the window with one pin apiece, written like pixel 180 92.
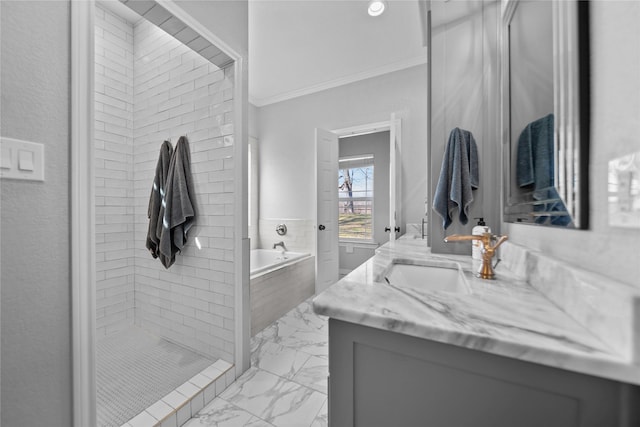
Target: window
pixel 355 198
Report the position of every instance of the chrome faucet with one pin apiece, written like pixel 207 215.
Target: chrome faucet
pixel 275 245
pixel 488 250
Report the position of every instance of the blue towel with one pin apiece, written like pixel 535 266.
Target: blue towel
pixel 180 212
pixel 534 164
pixel 458 177
pixel 535 168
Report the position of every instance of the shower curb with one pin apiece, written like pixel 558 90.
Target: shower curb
pixel 183 403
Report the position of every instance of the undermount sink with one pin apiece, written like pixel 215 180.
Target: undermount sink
pixel 427 276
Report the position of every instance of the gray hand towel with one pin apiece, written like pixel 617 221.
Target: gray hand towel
pixel 535 155
pixel 535 169
pixel 180 212
pixel 156 210
pixel 458 177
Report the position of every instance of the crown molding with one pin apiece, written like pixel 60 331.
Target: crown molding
pixel 352 78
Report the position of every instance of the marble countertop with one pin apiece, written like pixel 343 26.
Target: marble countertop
pixel 506 316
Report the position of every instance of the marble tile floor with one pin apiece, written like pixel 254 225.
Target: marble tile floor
pixel 287 382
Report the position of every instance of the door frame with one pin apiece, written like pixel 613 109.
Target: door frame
pixel 82 189
pixel 83 275
pixel 363 129
pixel 396 134
pixel 329 273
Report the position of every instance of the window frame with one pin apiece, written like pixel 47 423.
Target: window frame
pixel 367 159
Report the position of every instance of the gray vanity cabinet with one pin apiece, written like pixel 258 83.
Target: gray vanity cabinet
pixel 381 378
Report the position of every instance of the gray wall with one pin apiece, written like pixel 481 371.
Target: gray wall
pixel 465 92
pixel 35 299
pixel 287 132
pixel 615 125
pixel 36 306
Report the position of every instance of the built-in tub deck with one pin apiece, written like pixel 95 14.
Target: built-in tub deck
pixel 278 282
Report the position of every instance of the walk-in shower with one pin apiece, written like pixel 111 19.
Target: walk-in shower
pixel 165 337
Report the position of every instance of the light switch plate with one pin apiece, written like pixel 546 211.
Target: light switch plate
pixel 25 160
pixel 5 158
pixel 21 159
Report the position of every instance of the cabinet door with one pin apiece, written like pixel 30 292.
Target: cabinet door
pixel 379 378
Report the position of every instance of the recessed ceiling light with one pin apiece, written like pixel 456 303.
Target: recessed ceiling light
pixel 376 7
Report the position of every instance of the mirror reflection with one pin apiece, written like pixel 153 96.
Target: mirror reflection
pixel 540 177
pixel 532 120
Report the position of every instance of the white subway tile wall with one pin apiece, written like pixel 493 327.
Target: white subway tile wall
pixel 177 92
pixel 150 87
pixel 114 173
pixel 300 237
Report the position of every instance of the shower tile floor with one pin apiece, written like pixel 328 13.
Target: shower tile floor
pixel 135 369
pixel 287 382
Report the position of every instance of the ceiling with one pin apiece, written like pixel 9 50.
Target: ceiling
pixel 298 47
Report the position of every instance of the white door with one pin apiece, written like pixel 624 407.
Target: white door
pixel 326 209
pixel 395 170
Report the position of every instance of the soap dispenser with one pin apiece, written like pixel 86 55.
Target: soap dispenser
pixel 478 230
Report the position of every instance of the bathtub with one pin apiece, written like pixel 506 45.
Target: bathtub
pixel 263 260
pixel 278 283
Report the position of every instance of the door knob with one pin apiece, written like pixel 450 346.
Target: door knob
pixel 321 227
pixel 387 229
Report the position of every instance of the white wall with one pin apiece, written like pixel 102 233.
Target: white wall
pixel 35 247
pixel 114 172
pixel 253 121
pixel 253 179
pixel 615 126
pixel 465 95
pixel 177 92
pixel 300 235
pixel 287 139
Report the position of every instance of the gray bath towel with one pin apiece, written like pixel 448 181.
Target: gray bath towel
pixel 180 212
pixel 458 177
pixel 156 209
pixel 535 155
pixel 535 169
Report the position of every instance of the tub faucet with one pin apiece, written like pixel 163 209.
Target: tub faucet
pixel 275 245
pixel 488 251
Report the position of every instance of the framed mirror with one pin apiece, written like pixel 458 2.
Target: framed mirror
pixel 545 112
